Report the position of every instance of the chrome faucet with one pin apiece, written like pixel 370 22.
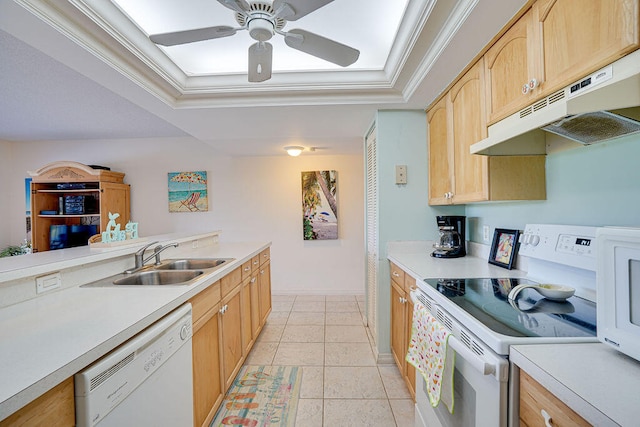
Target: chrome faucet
pixel 140 260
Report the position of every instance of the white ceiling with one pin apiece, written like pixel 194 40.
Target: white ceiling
pixel 79 70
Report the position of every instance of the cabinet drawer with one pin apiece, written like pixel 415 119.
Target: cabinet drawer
pixel 397 275
pixel 230 281
pixel 534 399
pixel 265 256
pixel 246 270
pixel 255 263
pixel 204 301
pixel 409 284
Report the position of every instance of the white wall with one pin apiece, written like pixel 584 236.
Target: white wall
pixel 250 199
pixel 6 201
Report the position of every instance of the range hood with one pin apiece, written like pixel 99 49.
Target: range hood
pixel 600 107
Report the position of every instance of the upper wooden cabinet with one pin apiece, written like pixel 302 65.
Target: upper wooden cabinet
pixel 554 44
pixel 510 64
pixel 577 37
pixel 455 175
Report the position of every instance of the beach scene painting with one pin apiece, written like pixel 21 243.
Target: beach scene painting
pixel 320 205
pixel 188 192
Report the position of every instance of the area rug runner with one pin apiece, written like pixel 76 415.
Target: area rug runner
pixel 261 396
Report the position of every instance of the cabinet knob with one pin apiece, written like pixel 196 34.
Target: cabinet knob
pixel 253 279
pixel 247 268
pixel 395 274
pixel 547 418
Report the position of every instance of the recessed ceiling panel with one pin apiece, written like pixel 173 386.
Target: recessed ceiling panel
pixel 367 25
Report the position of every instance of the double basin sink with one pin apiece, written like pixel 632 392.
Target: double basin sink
pixel 175 272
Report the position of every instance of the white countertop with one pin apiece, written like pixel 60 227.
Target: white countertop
pixel 598 382
pixel 415 258
pixel 49 338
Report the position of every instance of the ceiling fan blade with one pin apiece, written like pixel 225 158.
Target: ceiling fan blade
pixel 292 10
pixel 260 55
pixel 238 5
pixel 190 36
pixel 321 47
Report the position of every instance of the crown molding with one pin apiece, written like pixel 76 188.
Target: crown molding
pixel 102 29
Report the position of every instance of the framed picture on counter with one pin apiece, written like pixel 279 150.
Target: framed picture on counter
pixel 504 247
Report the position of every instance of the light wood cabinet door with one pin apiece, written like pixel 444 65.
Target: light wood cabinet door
pixel 208 389
pixel 55 407
pixel 410 371
pixel 469 126
pixel 231 335
pixel 246 314
pixel 256 324
pixel 509 65
pixel 534 399
pixel 440 154
pixel 264 283
pixel 398 325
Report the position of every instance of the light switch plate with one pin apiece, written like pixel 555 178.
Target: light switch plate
pixel 485 233
pixel 401 174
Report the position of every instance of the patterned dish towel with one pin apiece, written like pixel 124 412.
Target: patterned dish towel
pixel 430 354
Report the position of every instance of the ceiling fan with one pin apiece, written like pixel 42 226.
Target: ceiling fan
pixel 264 19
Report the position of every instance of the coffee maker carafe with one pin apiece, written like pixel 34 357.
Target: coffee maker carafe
pixel 451 243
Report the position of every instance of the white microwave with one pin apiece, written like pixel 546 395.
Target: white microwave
pixel 618 288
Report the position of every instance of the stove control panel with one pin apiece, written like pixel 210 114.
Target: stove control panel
pixel 564 244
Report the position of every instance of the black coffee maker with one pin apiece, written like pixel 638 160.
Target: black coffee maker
pixel 451 243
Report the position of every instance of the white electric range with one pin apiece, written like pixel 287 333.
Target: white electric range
pixel 484 323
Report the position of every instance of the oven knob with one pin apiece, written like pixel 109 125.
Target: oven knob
pixel 535 239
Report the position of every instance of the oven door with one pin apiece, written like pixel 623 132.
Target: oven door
pixel 480 381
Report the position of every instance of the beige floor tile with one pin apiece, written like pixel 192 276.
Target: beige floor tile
pixel 403 411
pixel 299 354
pixel 283 298
pixel 362 306
pixel 341 298
pixel 312 382
pixel 302 318
pixel 393 382
pixel 341 318
pixel 348 354
pixel 310 298
pixel 342 306
pixel 309 306
pixel 357 413
pixel 271 333
pixel 360 298
pixel 346 333
pixel 303 333
pixel 278 317
pixel 262 353
pixel 309 413
pixel 281 305
pixel 353 383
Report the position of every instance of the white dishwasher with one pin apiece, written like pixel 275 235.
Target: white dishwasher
pixel 147 381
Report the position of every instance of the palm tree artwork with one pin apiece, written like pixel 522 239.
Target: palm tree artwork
pixel 319 205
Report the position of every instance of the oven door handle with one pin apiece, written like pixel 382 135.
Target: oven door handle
pixel 475 360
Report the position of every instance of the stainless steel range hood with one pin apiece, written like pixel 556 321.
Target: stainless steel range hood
pixel 600 107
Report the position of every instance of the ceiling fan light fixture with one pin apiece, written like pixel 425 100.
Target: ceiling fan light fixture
pixel 261 29
pixel 294 150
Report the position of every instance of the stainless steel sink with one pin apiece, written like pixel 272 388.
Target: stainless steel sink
pixel 156 278
pixel 192 263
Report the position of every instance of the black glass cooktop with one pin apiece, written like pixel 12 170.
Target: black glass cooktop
pixel 530 315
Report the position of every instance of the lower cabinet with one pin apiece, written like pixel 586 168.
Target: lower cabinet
pixel 401 322
pixel 231 335
pixel 55 407
pixel 264 284
pixel 539 407
pixel 227 319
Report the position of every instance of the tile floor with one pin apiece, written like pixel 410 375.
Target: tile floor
pixel 341 383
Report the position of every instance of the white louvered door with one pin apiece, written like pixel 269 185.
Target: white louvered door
pixel 372 231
